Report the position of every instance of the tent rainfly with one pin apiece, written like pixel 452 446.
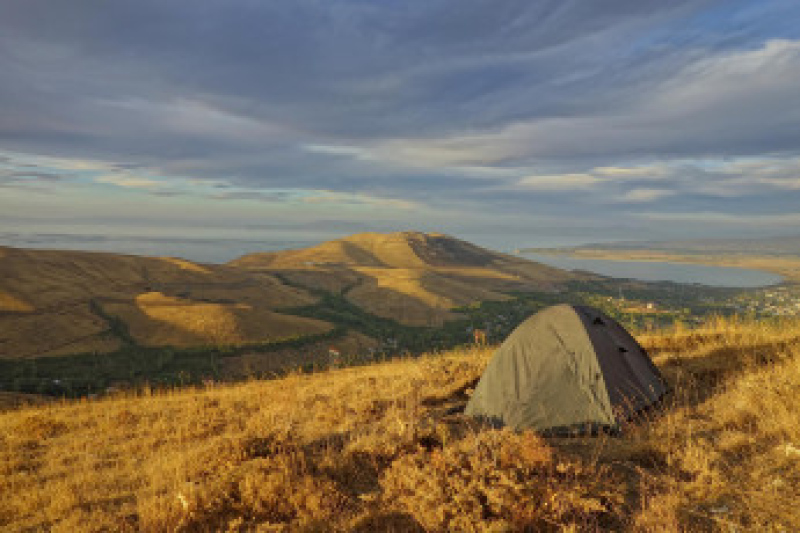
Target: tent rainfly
pixel 567 369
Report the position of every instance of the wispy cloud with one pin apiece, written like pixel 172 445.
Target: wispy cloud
pixel 362 200
pixel 561 182
pixel 784 220
pixel 130 182
pixel 641 172
pixel 646 195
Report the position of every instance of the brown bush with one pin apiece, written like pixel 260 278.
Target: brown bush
pixel 494 479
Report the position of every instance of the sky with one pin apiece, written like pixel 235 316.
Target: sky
pixel 508 123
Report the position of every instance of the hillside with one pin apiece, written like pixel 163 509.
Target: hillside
pixel 412 277
pixel 77 323
pixel 373 449
pixel 54 303
pixel 62 302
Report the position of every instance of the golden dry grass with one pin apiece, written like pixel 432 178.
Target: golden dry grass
pixel 392 250
pixel 9 302
pixel 155 319
pixel 415 297
pixel 372 449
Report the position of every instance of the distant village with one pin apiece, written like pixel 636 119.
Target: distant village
pixel 783 300
pixel 775 301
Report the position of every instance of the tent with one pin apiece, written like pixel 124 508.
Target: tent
pixel 567 369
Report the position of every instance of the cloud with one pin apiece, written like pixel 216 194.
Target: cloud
pixel 731 103
pixel 642 172
pixel 555 107
pixel 645 195
pixel 130 182
pixel 348 151
pixel 15 176
pixel 362 200
pixel 562 182
pixel 784 220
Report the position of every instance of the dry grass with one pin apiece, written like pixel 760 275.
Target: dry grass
pixel 155 319
pixel 11 303
pixel 415 297
pixel 72 328
pixel 371 449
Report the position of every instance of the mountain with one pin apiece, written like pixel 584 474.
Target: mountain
pixel 412 277
pixel 387 250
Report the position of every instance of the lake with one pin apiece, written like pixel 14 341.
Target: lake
pixel 715 276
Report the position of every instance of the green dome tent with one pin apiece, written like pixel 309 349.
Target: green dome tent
pixel 566 369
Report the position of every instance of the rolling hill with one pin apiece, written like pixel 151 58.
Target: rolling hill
pixel 57 303
pixel 60 302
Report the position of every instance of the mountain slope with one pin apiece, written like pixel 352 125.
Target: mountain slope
pixel 412 277
pixel 393 250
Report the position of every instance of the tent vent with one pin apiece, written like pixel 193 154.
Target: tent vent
pixel 622 349
pixel 598 322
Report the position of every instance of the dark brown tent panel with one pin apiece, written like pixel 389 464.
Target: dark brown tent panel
pixel 567 368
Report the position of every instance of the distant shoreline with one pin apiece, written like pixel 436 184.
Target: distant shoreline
pixel 785 266
pixel 207 250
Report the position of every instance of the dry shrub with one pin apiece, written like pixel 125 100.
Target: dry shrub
pixel 494 479
pixel 659 512
pixel 240 482
pixel 280 491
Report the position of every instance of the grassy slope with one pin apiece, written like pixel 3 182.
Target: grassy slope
pixel 54 303
pixel 412 277
pixel 371 449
